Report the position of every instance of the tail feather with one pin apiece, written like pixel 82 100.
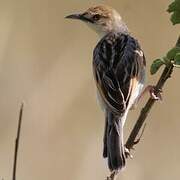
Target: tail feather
pixel 105 137
pixel 113 143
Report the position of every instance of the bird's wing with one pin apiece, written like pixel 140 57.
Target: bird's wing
pixel 117 63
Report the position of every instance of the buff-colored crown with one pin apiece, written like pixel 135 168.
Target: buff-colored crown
pixel 102 19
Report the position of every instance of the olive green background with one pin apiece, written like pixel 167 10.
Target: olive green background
pixel 45 61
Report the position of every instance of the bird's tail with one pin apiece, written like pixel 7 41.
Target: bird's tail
pixel 113 142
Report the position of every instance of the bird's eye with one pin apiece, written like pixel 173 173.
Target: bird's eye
pixel 96 17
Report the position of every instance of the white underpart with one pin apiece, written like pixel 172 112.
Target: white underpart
pixel 97 29
pixel 134 96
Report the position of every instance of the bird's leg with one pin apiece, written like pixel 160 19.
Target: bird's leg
pixel 153 94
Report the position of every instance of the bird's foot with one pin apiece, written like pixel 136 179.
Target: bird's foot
pixel 127 153
pixel 154 93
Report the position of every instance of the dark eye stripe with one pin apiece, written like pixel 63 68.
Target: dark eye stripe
pixel 86 19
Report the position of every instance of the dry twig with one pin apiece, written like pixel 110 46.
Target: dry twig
pixel 133 139
pixel 166 74
pixel 17 142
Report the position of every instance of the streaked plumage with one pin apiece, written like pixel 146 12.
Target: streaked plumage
pixel 119 73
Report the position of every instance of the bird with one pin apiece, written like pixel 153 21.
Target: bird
pixel 119 66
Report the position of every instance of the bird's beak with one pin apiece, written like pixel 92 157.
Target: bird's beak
pixel 82 17
pixel 74 16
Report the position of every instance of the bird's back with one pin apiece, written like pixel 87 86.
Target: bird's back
pixel 118 61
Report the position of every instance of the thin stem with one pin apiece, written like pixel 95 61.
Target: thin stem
pixel 166 74
pixel 17 142
pixel 146 109
pixel 178 42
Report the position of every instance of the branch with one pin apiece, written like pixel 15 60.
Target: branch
pixel 17 142
pixel 133 139
pixel 166 74
pixel 178 42
pixel 144 113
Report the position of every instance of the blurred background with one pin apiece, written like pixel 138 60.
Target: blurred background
pixel 45 61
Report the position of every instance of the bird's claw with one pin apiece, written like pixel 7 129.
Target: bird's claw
pixel 127 153
pixel 154 93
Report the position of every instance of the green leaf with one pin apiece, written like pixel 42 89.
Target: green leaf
pixel 172 53
pixel 174 8
pixel 175 18
pixel 156 65
pixel 178 42
pixel 177 59
pixel 166 60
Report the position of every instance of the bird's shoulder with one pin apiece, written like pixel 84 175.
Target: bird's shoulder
pixel 116 47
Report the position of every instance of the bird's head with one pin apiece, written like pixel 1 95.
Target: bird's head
pixel 102 19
